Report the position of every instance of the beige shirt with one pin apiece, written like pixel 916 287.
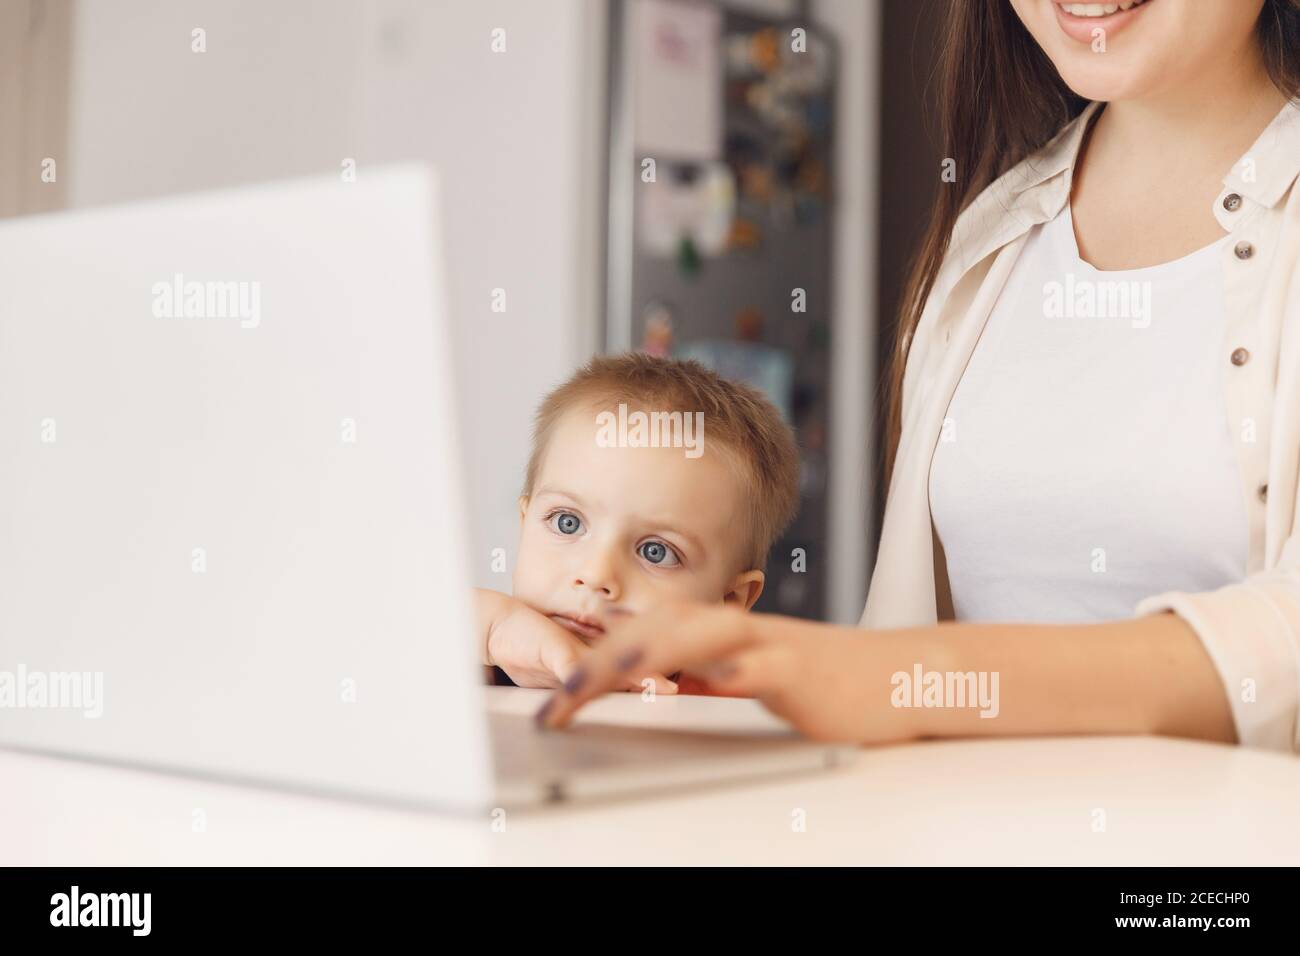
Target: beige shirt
pixel 1250 628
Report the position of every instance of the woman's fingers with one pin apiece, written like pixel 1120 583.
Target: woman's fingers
pixel 565 653
pixel 664 641
pixel 758 671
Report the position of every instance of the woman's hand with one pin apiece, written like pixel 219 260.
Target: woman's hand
pixel 831 683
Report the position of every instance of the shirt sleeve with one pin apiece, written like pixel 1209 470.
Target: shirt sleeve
pixel 1251 630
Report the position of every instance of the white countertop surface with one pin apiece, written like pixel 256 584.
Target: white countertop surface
pixel 1084 800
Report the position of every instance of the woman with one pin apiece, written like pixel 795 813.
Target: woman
pixel 1095 416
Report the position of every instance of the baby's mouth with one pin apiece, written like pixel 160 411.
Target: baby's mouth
pixel 585 627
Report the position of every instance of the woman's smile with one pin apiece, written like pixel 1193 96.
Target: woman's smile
pixel 1079 21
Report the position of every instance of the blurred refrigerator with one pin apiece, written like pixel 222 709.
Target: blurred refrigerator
pixel 719 226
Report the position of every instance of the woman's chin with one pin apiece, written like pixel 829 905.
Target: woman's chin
pixel 1105 82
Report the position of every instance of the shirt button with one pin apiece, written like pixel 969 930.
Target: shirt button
pixel 1244 250
pixel 1240 356
pixel 1232 202
pixel 1263 492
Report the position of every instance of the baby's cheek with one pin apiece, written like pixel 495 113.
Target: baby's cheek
pixel 697 586
pixel 528 583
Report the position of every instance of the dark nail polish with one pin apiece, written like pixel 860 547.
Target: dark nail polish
pixel 543 712
pixel 629 659
pixel 575 681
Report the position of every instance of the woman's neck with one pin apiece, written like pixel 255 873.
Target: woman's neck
pixel 1150 167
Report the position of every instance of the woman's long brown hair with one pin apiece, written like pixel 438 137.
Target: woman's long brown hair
pixel 1000 99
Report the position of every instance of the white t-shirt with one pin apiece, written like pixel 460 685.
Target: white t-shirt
pixel 1086 460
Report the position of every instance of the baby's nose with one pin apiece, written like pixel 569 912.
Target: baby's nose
pixel 601 584
pixel 601 578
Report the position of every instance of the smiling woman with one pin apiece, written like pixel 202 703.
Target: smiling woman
pixel 1099 511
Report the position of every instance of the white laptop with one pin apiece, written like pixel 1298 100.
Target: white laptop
pixel 230 495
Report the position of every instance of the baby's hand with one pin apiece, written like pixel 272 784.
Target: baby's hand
pixel 535 651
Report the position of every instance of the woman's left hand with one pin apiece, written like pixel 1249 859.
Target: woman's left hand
pixel 831 683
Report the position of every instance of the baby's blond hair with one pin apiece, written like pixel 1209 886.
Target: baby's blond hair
pixel 737 417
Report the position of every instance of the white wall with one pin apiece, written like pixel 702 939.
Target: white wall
pixel 292 87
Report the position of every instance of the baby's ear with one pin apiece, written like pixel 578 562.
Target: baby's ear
pixel 745 589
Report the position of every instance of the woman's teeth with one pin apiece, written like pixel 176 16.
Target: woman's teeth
pixel 1099 9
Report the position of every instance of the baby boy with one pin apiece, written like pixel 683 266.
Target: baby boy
pixel 650 479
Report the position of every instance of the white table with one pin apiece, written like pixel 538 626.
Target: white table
pixel 1030 801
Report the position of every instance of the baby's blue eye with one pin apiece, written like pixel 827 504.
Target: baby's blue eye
pixel 656 552
pixel 566 523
